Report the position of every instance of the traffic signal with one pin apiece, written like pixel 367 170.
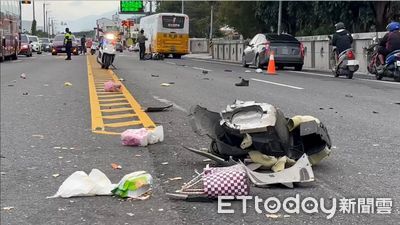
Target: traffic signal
pixel 26 1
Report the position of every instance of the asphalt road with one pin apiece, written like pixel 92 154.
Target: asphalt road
pixel 360 115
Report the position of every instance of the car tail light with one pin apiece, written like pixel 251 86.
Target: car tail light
pixel 267 47
pixel 350 55
pixel 302 50
pixel 24 46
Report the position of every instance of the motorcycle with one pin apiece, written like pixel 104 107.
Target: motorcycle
pixel 345 64
pixel 392 63
pixel 107 51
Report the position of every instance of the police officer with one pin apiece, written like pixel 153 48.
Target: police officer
pixel 68 43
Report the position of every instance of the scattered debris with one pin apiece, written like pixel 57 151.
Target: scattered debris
pixel 375 145
pixel 175 178
pixel 134 185
pixel 116 166
pixel 160 210
pixel 228 70
pixel 142 137
pixel 25 93
pixel 258 70
pixel 64 148
pixel 38 136
pixel 11 85
pixel 8 208
pixel 121 79
pixel 154 75
pixel 375 112
pixel 111 86
pixel 321 108
pixel 204 72
pixel 138 155
pixel 164 163
pixel 3 173
pixel 23 76
pixel 348 95
pixel 273 216
pixel 71 148
pixel 60 157
pixel 130 214
pixel 158 109
pixel 243 83
pixel 247 71
pixel 397 103
pixel 67 84
pixel 56 175
pixel 81 184
pixel 206 78
pixel 45 85
pixel 165 84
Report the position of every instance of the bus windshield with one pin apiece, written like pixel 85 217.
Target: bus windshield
pixel 173 22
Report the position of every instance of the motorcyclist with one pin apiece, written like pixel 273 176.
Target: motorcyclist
pixel 342 39
pixel 389 43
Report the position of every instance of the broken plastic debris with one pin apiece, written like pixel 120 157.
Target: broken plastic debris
pixel 67 84
pixel 134 185
pixel 121 79
pixel 154 75
pixel 158 108
pixel 56 175
pixel 130 214
pixel 348 95
pixel 247 71
pixel 160 210
pixel 258 70
pixel 38 135
pixel 81 184
pixel 175 178
pixel 242 83
pixel 228 70
pixel 164 163
pixel 116 166
pixel 165 84
pixel 273 216
pixel 23 76
pixel 247 142
pixel 8 208
pixel 142 137
pixel 25 93
pixel 204 72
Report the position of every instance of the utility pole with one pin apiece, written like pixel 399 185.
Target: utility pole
pixel 183 7
pixel 211 20
pixel 33 8
pixel 44 17
pixel 151 7
pixel 279 17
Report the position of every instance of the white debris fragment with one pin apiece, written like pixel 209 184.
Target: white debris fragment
pixel 164 163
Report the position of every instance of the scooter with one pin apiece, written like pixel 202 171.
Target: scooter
pixel 345 64
pixel 107 51
pixel 391 67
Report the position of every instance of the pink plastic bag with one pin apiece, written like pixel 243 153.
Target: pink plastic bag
pixel 135 137
pixel 110 86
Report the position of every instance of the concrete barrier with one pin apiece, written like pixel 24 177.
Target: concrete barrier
pixel 198 45
pixel 317 50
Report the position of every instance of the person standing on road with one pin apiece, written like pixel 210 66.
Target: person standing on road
pixel 83 45
pixel 141 39
pixel 68 43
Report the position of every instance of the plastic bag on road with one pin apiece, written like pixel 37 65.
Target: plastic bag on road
pixel 135 137
pixel 142 137
pixel 81 184
pixel 156 135
pixel 134 185
pixel 110 86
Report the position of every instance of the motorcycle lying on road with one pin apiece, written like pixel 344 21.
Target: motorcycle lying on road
pixel 392 63
pixel 107 51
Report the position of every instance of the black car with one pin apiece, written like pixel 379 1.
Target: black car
pixel 46 44
pixel 288 51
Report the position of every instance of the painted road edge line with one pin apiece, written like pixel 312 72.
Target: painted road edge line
pixel 279 84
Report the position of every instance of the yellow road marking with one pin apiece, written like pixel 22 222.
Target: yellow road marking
pixel 126 111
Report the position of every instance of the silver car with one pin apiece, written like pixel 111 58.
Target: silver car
pixel 288 51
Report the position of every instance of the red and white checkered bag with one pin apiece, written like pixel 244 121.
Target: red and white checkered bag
pixel 225 181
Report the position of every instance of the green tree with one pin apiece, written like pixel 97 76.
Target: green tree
pixel 33 28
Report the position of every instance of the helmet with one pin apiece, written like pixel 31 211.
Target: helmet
pixel 393 26
pixel 339 26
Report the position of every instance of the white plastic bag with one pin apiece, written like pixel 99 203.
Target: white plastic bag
pixel 156 135
pixel 81 184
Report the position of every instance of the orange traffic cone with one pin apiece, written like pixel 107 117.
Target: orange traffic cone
pixel 271 64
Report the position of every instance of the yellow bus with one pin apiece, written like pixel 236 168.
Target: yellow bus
pixel 166 33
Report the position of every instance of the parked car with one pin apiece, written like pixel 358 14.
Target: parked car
pixel 58 45
pixel 34 43
pixel 25 48
pixel 288 51
pixel 46 44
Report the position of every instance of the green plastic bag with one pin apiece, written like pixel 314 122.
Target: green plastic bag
pixel 134 185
